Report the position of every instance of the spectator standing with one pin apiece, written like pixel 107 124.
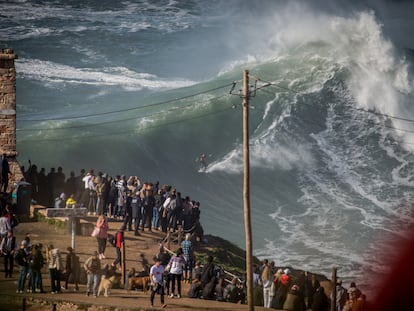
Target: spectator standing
pixel 353 292
pixel 320 300
pixel 70 185
pixel 266 278
pixel 5 224
pixel 22 259
pixel 101 192
pixel 176 267
pixel 128 211
pixel 55 268
pixel 187 210
pixel 274 290
pixel 157 286
pixel 187 247
pixel 102 224
pixel 119 241
pixel 341 296
pixel 136 212
pixel 157 209
pixel 5 172
pixel 59 182
pixel 312 285
pixel 71 268
pixel 121 198
pixel 92 267
pixel 148 203
pixel 8 248
pixel 284 286
pixel 163 256
pixel 37 264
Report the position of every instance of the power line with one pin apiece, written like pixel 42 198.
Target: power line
pixel 128 109
pixel 115 121
pixel 129 131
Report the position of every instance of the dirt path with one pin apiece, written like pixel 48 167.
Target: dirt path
pixel 119 299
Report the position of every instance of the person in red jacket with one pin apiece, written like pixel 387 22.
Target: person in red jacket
pixel 284 286
pixel 119 240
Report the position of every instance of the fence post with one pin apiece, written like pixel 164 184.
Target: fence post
pixel 123 260
pixel 180 235
pixel 169 240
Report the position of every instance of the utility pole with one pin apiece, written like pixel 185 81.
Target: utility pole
pixel 246 191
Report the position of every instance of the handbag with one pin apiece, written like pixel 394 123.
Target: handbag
pixel 95 232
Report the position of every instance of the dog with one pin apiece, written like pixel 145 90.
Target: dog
pixel 106 284
pixel 139 281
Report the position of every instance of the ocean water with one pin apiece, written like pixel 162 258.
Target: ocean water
pixel 145 87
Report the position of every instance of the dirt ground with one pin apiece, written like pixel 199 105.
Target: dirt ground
pixel 119 299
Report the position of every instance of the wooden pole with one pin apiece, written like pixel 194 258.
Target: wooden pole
pixel 246 192
pixel 123 261
pixel 73 220
pixel 334 281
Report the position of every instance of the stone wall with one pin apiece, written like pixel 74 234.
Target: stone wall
pixel 8 112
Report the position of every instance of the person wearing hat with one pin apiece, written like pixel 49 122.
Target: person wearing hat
pixel 157 282
pixel 294 300
pixel 92 267
pixel 22 259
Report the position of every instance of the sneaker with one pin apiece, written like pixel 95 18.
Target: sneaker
pixel 172 296
pixel 94 296
pixel 37 290
pixel 178 296
pixel 103 256
pixel 100 256
pixel 53 292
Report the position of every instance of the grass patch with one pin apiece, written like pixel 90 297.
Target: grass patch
pixel 51 221
pixel 227 255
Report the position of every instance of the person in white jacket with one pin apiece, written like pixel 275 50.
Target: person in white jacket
pixel 267 280
pixel 55 267
pixel 176 268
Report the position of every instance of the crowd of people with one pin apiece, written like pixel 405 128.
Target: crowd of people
pixel 279 288
pixel 139 205
pixel 149 206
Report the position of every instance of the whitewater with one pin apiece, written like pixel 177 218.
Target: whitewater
pixel 144 87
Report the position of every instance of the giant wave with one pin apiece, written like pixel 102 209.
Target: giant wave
pixel 330 160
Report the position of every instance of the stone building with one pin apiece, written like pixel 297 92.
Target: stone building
pixel 8 113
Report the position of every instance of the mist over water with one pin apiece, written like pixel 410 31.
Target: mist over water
pixel 142 87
